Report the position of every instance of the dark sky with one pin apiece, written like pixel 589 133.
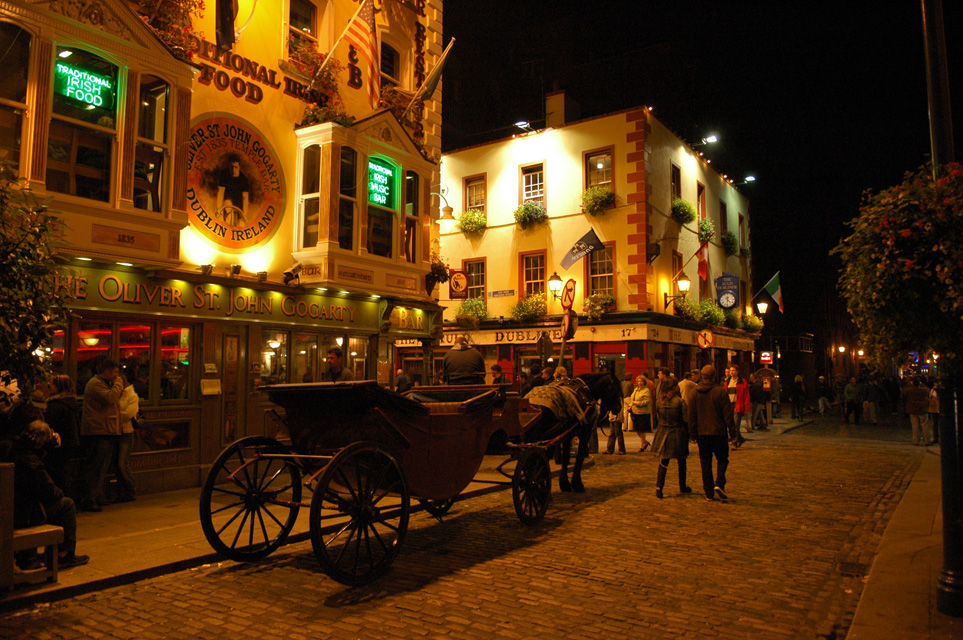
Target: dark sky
pixel 819 100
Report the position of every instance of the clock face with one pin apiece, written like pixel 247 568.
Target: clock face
pixel 727 300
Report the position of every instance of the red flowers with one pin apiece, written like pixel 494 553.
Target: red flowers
pixel 906 233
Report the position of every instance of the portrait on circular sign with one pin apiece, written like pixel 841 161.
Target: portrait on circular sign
pixel 235 185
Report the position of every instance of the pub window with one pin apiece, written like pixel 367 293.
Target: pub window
pixel 274 357
pixel 349 193
pixel 302 23
pixel 412 191
pixel 675 177
pixel 310 195
pixel 598 168
pixel 724 215
pixel 533 184
pixel 134 347
pixel 151 143
pixel 83 125
pixel 533 273
pixel 390 67
pixel 601 271
pixel 701 200
pixel 304 357
pixel 476 278
pixel 382 204
pixel 93 344
pixel 475 193
pixel 742 230
pixel 380 231
pixel 15 45
pixel 175 362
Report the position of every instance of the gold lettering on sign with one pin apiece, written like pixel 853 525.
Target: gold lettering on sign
pixel 350 273
pixel 124 238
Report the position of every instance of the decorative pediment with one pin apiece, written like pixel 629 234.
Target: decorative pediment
pixel 94 13
pixel 383 127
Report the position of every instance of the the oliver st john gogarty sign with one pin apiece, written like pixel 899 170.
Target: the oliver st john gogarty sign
pixel 235 187
pixel 97 289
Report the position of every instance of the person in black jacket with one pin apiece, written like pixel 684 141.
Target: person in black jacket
pixel 37 500
pixel 63 416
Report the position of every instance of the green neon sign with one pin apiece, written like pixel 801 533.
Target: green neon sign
pixel 84 86
pixel 382 185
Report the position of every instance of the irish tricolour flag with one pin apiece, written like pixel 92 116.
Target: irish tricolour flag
pixel 774 289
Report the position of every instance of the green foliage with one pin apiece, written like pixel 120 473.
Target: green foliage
pixel 471 312
pixel 597 304
pixel 32 308
pixel 530 213
pixel 530 308
pixel 902 275
pixel 171 22
pixel 707 229
pixel 687 310
pixel 752 324
pixel 597 199
pixel 733 318
pixel 683 211
pixel 711 313
pixel 730 243
pixel 744 252
pixel 473 221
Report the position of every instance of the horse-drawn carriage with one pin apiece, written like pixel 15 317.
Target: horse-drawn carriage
pixel 364 452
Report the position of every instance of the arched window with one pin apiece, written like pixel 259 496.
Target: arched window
pixel 15 62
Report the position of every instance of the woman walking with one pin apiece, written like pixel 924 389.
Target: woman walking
pixel 671 439
pixel 129 408
pixel 615 431
pixel 641 409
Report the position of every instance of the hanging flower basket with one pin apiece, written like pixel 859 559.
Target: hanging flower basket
pixel 530 213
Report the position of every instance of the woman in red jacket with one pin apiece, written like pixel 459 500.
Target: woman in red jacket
pixel 738 390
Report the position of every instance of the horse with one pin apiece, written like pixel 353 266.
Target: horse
pixel 574 406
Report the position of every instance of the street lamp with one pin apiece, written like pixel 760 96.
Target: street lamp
pixel 762 306
pixel 555 285
pixel 683 283
pixel 707 140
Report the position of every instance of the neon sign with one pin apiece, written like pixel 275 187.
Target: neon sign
pixel 84 86
pixel 381 183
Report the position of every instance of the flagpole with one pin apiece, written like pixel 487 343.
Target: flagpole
pixel 335 45
pixel 770 281
pixel 421 89
pixel 698 251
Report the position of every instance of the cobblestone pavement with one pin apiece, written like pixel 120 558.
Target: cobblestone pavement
pixel 784 558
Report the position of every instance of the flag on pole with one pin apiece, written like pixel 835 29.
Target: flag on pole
pixel 585 245
pixel 363 36
pixel 431 82
pixel 774 289
pixel 703 254
pixel 225 12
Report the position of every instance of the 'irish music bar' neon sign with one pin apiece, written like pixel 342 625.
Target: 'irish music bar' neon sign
pixel 381 183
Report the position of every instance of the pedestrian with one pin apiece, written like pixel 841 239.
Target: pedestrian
pixel 712 427
pixel 688 384
pixel 129 408
pixel 757 404
pixel 853 400
pixel 671 437
pixel 336 371
pixel 100 424
pixel 871 397
pixel 641 409
pixel 524 383
pixel 628 386
pixel 463 364
pixel 63 416
pixel 402 383
pixel 738 390
pixel 37 499
pixel 824 393
pixel 933 408
pixel 916 398
pixel 661 375
pixel 497 376
pixel 797 397
pixel 615 431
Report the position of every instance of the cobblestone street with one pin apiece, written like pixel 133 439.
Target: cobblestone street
pixel 784 558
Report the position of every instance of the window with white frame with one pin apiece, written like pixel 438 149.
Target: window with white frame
pixel 533 273
pixel 348 189
pixel 412 201
pixel 601 271
pixel 475 270
pixel 475 193
pixel 533 184
pixel 310 195
pixel 303 21
pixel 598 168
pixel 152 147
pixel 390 66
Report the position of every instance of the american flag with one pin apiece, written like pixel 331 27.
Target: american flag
pixel 364 38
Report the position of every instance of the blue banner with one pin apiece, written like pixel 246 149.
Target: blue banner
pixel 586 245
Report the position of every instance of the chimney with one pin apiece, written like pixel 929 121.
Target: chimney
pixel 560 108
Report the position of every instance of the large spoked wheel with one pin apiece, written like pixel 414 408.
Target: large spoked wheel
pixel 359 514
pixel 438 508
pixel 532 486
pixel 249 502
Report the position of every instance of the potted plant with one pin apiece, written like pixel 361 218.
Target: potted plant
pixel 170 20
pixel 687 310
pixel 470 313
pixel 752 324
pixel 597 304
pixel 438 272
pixel 744 252
pixel 707 229
pixel 530 213
pixel 730 243
pixel 530 308
pixel 597 199
pixel 472 221
pixel 683 211
pixel 711 313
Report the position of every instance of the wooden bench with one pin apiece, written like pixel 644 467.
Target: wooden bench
pixel 13 540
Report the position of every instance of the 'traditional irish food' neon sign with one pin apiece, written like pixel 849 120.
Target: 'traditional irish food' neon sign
pixel 84 86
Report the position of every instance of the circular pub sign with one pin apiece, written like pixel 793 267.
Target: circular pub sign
pixel 235 185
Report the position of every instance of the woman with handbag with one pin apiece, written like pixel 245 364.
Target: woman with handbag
pixel 641 409
pixel 671 438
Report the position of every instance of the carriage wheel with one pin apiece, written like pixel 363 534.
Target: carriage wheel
pixel 359 514
pixel 438 508
pixel 250 515
pixel 532 486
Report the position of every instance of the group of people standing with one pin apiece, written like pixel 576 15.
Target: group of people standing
pixel 43 437
pixel 866 399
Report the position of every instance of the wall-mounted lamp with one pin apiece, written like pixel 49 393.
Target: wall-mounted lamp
pixel 262 276
pixel 233 271
pixel 293 273
pixel 555 285
pixel 683 283
pixel 524 125
pixel 746 180
pixel 91 341
pixel 447 221
pixel 206 269
pixel 762 306
pixel 710 139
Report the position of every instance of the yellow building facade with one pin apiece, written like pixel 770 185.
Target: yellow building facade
pixel 223 232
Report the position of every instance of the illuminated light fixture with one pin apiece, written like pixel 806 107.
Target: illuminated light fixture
pixel 375 296
pixel 710 139
pixel 339 340
pixel 84 259
pixel 747 180
pixel 524 125
pixel 262 276
pixel 345 292
pixel 125 264
pixel 842 349
pixel 447 221
pixel 233 270
pixel 91 341
pixel 354 353
pixel 274 344
pixel 860 353
pixel 762 306
pixel 555 285
pixel 293 273
pixel 206 269
pixel 683 283
pixel 65 54
pixel 322 289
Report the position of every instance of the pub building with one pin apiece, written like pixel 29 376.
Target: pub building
pixel 630 258
pixel 218 237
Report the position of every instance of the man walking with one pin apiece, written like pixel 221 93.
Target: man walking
pixel 711 427
pixel 101 424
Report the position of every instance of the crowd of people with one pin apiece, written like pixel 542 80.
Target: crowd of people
pixel 64 449
pixel 866 399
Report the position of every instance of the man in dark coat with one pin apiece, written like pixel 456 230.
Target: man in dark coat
pixel 463 364
pixel 712 427
pixel 37 500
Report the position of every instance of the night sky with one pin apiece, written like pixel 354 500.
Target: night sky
pixel 819 101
